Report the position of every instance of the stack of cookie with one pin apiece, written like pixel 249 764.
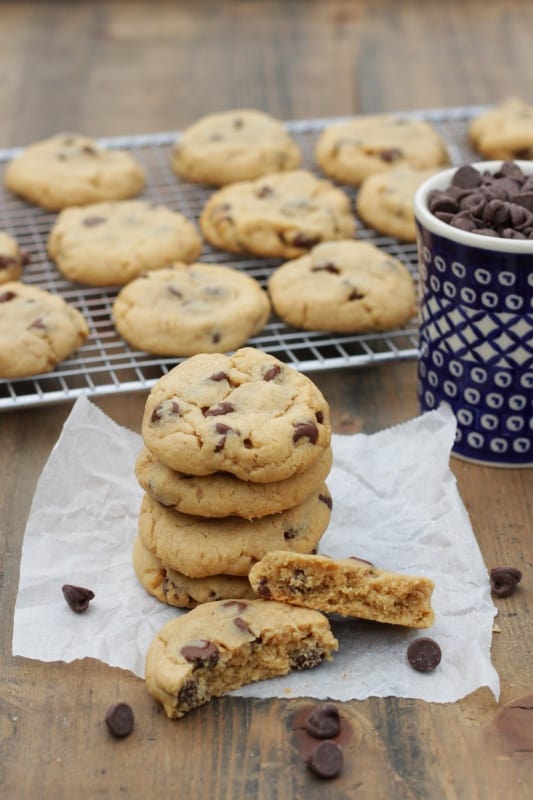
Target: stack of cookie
pixel 237 449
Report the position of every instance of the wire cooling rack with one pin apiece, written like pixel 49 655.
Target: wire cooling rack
pixel 105 364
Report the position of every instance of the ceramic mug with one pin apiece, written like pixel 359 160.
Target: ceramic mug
pixel 476 331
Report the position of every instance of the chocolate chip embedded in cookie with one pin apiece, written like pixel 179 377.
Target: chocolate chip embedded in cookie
pixel 191 308
pixel 73 170
pixel 222 494
pixel 346 287
pixel 38 329
pixel 221 646
pixel 201 547
pixel 247 414
pixel 350 587
pixel 351 151
pixel 176 589
pixel 237 145
pixel 385 201
pixel 11 259
pixel 283 214
pixel 110 244
pixel 504 131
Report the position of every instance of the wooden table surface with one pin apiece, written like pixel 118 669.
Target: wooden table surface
pixel 108 68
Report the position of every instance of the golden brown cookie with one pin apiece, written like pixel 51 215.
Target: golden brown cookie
pixel 73 170
pixel 283 214
pixel 505 131
pixel 237 145
pixel 351 151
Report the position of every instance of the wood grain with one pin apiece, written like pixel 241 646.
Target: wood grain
pixel 112 67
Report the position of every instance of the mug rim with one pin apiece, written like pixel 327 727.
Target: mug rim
pixel 428 220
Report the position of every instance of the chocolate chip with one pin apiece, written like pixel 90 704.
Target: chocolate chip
pixel 271 373
pixel 355 294
pixel 169 408
pixel 289 534
pixel 263 588
pixel 39 324
pixel 202 653
pixel 328 267
pixel 324 721
pixel 305 430
pixel 25 258
pixel 219 410
pixel 243 626
pixel 119 720
pixel 6 296
pixel 188 695
pixel 264 191
pixel 219 376
pixel 304 659
pixel 390 154
pixel 326 759
pixel 424 654
pixel 7 261
pixel 305 240
pixel 504 580
pixel 319 417
pixel 240 605
pixel 91 222
pixel 77 597
pixel 466 177
pixel 172 290
pixel 327 500
pixel 215 337
pixel 238 122
pixel 89 150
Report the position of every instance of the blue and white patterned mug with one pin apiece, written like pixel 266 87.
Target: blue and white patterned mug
pixel 476 332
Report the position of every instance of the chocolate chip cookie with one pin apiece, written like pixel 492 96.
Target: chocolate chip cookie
pixel 200 547
pixel 283 214
pixel 223 645
pixel 230 146
pixel 73 170
pixel 351 151
pixel 346 287
pixel 177 589
pixel 247 414
pixel 224 495
pixel 350 587
pixel 504 131
pixel 191 308
pixel 108 244
pixel 38 329
pixel 385 201
pixel 11 259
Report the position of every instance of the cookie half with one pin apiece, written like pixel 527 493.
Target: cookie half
pixel 346 287
pixel 110 244
pixel 351 151
pixel 224 495
pixel 246 413
pixel 505 131
pixel 38 329
pixel 200 547
pixel 176 589
pixel 283 214
pixel 350 587
pixel 237 145
pixel 385 201
pixel 191 308
pixel 73 170
pixel 221 646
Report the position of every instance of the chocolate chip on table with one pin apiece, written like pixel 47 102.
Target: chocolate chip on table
pixel 326 759
pixel 324 721
pixel 504 580
pixel 77 597
pixel 424 654
pixel 119 720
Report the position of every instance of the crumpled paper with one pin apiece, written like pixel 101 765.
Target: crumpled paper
pixel 395 503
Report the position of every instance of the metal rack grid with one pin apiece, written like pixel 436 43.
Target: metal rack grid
pixel 105 364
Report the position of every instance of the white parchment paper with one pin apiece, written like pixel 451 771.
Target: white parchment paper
pixel 395 503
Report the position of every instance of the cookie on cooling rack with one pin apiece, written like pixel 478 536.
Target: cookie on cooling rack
pixel 73 170
pixel 505 131
pixel 234 146
pixel 351 151
pixel 282 214
pixel 110 244
pixel 385 201
pixel 344 287
pixel 37 330
pixel 191 308
pixel 11 259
